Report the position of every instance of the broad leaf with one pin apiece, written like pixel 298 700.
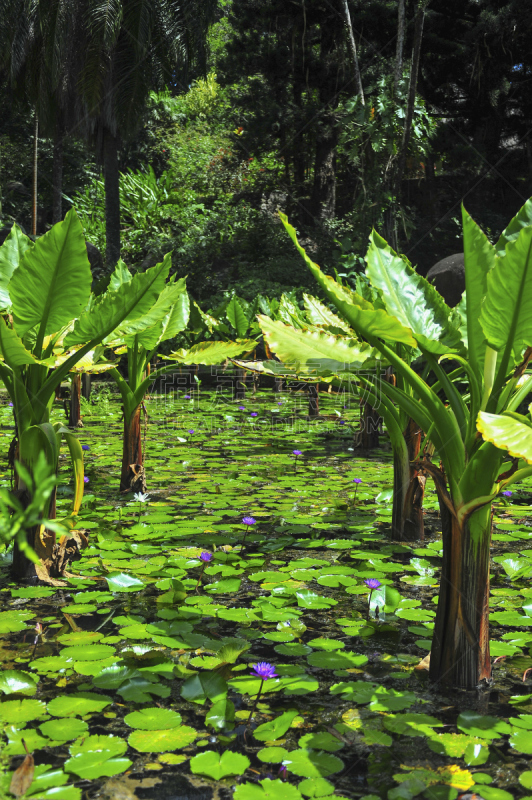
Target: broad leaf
pixel 237 318
pixel 212 352
pixel 52 283
pixel 11 253
pixel 13 351
pixel 313 349
pixel 411 299
pixel 319 314
pixel 522 219
pixel 507 433
pixel 479 258
pixel 507 311
pixel 361 314
pixel 113 307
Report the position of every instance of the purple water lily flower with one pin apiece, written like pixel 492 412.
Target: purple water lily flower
pixel 10 405
pixel 85 447
pixel 191 431
pixel 297 452
pixel 253 414
pixel 248 521
pixel 279 402
pixel 206 557
pixel 283 772
pixel 186 397
pixel 241 408
pixel 357 480
pixel 85 479
pixel 372 583
pixel 342 422
pixel 507 493
pixel 264 671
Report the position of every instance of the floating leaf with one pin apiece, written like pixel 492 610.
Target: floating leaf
pixel 267 790
pixel 123 582
pixel 163 740
pixel 96 764
pixel 13 621
pixel 63 730
pixel 321 741
pixel 15 682
pixel 336 660
pixel 88 652
pixel 205 686
pixel 269 731
pixel 18 712
pixel 521 740
pixel 485 727
pixel 77 704
pixel 221 715
pixel 272 755
pixel 153 719
pixel 217 766
pixel 309 599
pixel 310 764
pixel 315 787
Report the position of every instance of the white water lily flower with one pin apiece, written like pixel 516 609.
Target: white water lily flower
pixel 142 498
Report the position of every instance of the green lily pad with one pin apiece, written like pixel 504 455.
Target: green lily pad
pixel 63 730
pixel 13 621
pixel 521 740
pixel 161 741
pixel 78 704
pixel 315 787
pixel 123 582
pixel 218 766
pixel 80 637
pixel 18 712
pixel 275 728
pixel 272 755
pixel 15 682
pixel 153 719
pixel 320 741
pixel 96 764
pixel 485 727
pixel 336 660
pixel 307 599
pixel 311 764
pixel 267 790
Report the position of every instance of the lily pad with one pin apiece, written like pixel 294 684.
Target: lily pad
pixel 123 582
pixel 218 766
pixel 311 764
pixel 153 719
pixel 161 741
pixel 15 682
pixel 63 730
pixel 78 704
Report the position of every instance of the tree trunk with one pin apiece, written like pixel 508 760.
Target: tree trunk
pixel 353 51
pixel 86 385
pixel 460 653
pixel 323 200
pixel 370 426
pixel 74 417
pixel 313 399
pixel 400 44
pixel 133 477
pixel 112 198
pixel 34 188
pixel 408 489
pixel 57 172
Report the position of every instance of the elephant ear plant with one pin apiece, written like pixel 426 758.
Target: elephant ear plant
pixel 49 324
pixel 140 337
pixel 474 431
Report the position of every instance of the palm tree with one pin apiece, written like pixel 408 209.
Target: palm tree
pixel 42 53
pixel 134 46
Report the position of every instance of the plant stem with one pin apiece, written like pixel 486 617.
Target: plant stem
pixel 200 577
pixel 255 703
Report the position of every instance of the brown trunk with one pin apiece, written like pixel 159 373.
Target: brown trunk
pixel 57 171
pixel 408 490
pixel 74 417
pixel 86 385
pixel 133 477
pixel 112 198
pixel 353 51
pixel 313 400
pixel 399 47
pixel 460 647
pixel 43 544
pixel 368 438
pixel 34 188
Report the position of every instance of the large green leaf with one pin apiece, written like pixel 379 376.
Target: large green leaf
pixel 507 433
pixel 361 314
pixel 119 276
pixel 52 284
pixel 313 349
pixel 411 299
pixel 12 348
pixel 507 310
pixel 11 252
pixel 124 303
pixel 169 316
pixel 522 219
pixel 237 318
pixel 319 314
pixel 212 352
pixel 479 258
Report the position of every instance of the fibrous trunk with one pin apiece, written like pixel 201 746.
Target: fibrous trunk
pixel 368 438
pixel 57 172
pixel 74 417
pixel 43 543
pixel 133 477
pixel 460 646
pixel 313 399
pixel 86 385
pixel 408 489
pixel 112 198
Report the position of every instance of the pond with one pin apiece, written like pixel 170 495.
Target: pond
pixel 142 680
